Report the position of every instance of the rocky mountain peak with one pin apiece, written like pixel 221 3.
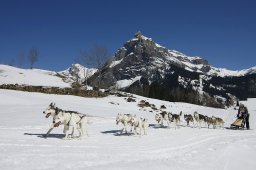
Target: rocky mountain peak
pixel 138 34
pixel 144 67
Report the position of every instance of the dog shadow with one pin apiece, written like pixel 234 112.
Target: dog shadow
pixel 117 133
pixel 157 126
pixel 40 135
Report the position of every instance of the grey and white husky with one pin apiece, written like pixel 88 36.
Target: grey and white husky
pixel 70 119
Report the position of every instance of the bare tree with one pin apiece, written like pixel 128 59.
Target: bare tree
pixel 33 56
pixel 99 56
pixel 21 58
pixel 94 57
pixel 84 60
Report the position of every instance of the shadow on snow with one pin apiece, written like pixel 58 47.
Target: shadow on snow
pixel 158 126
pixel 117 133
pixel 40 135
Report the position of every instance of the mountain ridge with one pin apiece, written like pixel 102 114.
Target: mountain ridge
pixel 194 61
pixel 146 68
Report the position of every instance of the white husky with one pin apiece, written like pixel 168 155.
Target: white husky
pixel 125 119
pixel 72 120
pixel 140 123
pixel 52 110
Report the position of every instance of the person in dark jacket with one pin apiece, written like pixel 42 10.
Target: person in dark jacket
pixel 243 114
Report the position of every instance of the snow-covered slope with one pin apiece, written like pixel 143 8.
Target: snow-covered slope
pixel 22 146
pixel 38 77
pixel 35 77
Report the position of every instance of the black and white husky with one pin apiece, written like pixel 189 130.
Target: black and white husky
pixel 211 121
pixel 52 111
pixel 199 118
pixel 161 117
pixel 175 118
pixel 189 118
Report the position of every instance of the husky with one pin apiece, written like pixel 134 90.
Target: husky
pixel 219 122
pixel 140 123
pixel 175 118
pixel 161 117
pixel 189 118
pixel 199 118
pixel 52 111
pixel 125 119
pixel 211 121
pixel 71 119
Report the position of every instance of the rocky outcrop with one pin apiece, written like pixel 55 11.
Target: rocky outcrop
pixel 138 57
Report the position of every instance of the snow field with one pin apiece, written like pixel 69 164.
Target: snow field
pixel 34 77
pixel 23 123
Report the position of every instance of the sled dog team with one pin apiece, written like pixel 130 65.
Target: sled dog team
pixel 77 121
pixel 197 120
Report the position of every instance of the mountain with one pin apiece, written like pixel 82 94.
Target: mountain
pixel 146 68
pixel 77 72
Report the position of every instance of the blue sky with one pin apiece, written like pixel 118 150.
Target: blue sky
pixel 221 31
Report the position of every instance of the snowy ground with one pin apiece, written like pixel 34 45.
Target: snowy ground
pixel 22 146
pixel 35 77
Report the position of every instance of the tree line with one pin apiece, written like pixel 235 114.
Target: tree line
pixel 94 57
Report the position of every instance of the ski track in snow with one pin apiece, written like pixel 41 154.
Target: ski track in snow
pixel 23 124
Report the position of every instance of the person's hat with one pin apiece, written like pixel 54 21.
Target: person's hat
pixel 241 105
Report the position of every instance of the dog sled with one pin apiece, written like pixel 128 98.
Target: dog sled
pixel 238 124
